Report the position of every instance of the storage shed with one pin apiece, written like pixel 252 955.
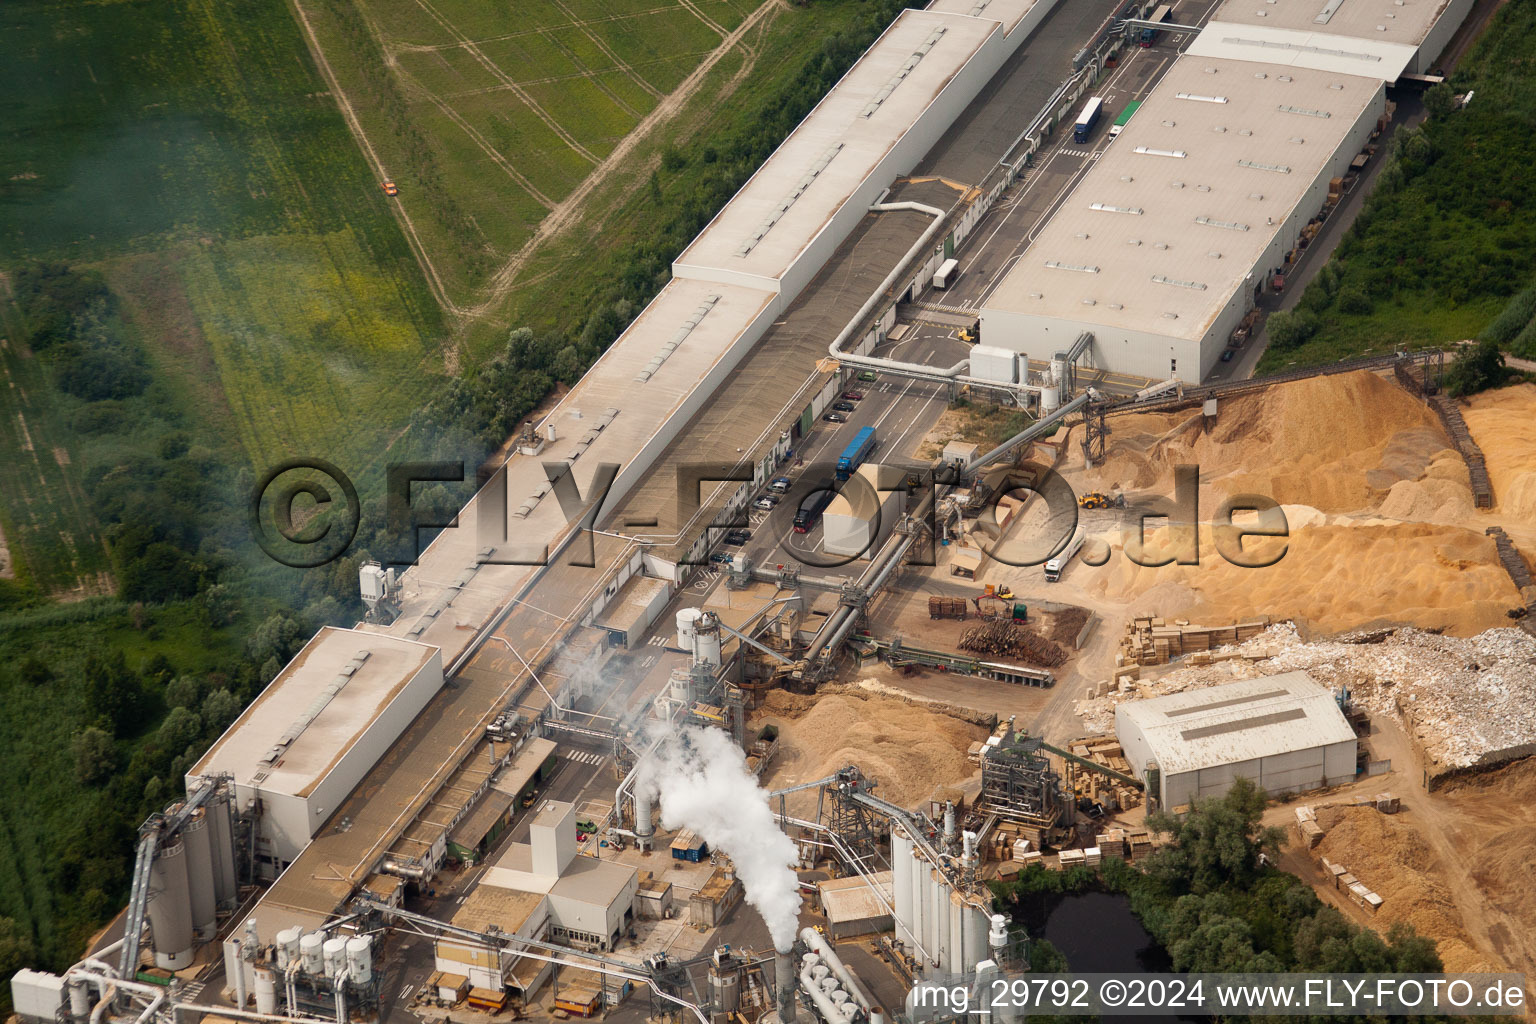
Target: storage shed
pixel 1285 733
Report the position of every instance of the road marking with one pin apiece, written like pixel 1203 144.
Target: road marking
pixel 657 641
pixel 405 991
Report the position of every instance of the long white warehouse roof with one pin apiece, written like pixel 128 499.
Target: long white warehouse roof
pixel 321 703
pixel 765 229
pixel 1173 217
pixel 1236 722
pixel 1374 38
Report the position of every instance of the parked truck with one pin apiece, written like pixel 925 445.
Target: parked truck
pixel 858 450
pixel 1055 567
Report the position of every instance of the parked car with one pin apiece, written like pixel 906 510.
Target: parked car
pixel 1226 356
pixel 869 376
pixel 853 396
pixel 720 558
pixel 844 406
pixel 766 502
pixel 780 485
pixel 737 537
pixel 835 417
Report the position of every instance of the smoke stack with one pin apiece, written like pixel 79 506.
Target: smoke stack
pixel 784 984
pixel 949 826
pixel 644 829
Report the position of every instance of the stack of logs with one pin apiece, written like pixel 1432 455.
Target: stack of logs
pixel 1001 638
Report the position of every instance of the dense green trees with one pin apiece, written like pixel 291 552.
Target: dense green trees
pixel 1476 368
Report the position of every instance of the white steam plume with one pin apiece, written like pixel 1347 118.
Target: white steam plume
pixel 700 777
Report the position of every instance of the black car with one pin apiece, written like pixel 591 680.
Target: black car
pixel 843 406
pixel 835 417
pixel 1226 356
pixel 738 536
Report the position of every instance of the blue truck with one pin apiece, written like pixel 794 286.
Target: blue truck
pixel 858 450
pixel 1082 129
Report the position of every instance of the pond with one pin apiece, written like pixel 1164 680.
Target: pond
pixel 1095 931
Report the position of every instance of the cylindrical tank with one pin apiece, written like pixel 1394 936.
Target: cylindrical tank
pixel 976 945
pixel 686 618
pixel 901 882
pixel 287 942
pixel 333 955
pixel 170 907
pixel 360 959
pixel 997 936
pixel 645 828
pixel 706 639
pixel 1050 398
pixel 199 844
pixel 220 829
pixel 311 957
pixel 954 961
pixel 1059 373
pixel 724 990
pixel 876 1015
pixel 949 826
pixel 79 1000
pixel 266 991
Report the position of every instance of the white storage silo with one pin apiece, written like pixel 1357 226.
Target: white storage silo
pixel 686 619
pixel 266 991
pixel 311 957
pixel 287 942
pixel 706 639
pixel 901 882
pixel 333 955
pixel 360 959
pixel 170 907
pixel 199 844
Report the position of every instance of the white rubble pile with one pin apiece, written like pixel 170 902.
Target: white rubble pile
pixel 1464 697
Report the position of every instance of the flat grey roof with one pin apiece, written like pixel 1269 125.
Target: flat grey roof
pixel 1401 22
pixel 1176 212
pixel 1236 722
pixel 1009 12
pixel 789 201
pixel 325 680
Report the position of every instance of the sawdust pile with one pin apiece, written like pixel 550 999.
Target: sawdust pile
pixel 1466 701
pixel 1501 423
pixel 1388 854
pixel 1334 576
pixel 907 748
pixel 1337 443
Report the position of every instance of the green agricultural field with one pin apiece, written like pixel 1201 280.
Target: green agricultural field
pixel 489 114
pixel 192 155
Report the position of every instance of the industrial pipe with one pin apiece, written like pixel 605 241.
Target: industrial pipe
pixel 878 296
pixel 822 948
pixel 830 1011
pixel 416 872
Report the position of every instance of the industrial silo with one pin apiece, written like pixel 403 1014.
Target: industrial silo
pixel 333 955
pixel 199 846
pixel 311 958
pixel 226 888
pixel 170 907
pixel 360 959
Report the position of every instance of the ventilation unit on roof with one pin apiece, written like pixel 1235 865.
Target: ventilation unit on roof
pixel 1231 225
pixel 1199 98
pixel 693 320
pixel 1111 208
pixel 783 207
pixel 1165 279
pixel 1150 151
pixel 1303 111
pixel 1081 268
pixel 906 69
pixel 1255 165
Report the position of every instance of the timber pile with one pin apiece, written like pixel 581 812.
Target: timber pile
pixel 946 607
pixel 1000 638
pixel 1152 641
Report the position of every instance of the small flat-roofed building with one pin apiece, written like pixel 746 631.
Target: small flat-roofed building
pixel 318 727
pixel 1285 733
pixel 630 612
pixel 1165 244
pixel 854 907
pixel 488 965
pixel 864 513
pixel 1374 38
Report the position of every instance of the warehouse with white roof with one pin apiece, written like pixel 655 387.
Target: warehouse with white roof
pixel 1166 243
pixel 1285 733
pixel 1162 248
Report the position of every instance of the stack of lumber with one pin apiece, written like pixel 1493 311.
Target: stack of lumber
pixel 1153 641
pixel 1002 639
